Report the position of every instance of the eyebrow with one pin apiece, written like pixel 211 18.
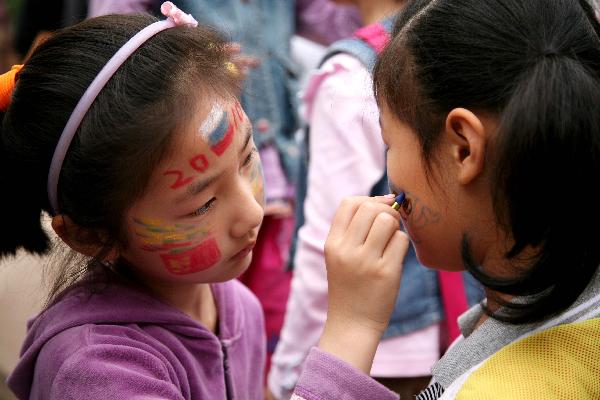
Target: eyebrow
pixel 197 187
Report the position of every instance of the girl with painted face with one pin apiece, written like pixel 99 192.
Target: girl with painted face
pixel 491 114
pixel 127 131
pixel 345 156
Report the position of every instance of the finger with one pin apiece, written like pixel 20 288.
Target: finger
pixel 381 233
pixel 344 215
pixel 387 199
pixel 396 250
pixel 362 221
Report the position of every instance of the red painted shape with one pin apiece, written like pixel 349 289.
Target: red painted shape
pixel 199 163
pixel 238 114
pixel 166 246
pixel 220 147
pixel 181 181
pixel 239 110
pixel 200 258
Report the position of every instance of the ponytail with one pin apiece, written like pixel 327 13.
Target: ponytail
pixel 551 121
pixel 21 211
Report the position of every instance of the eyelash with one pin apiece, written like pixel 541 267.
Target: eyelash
pixel 249 158
pixel 204 209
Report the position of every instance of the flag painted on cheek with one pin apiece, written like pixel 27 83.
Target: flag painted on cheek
pixel 183 249
pixel 200 258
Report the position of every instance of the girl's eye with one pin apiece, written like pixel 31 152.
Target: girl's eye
pixel 250 157
pixel 204 209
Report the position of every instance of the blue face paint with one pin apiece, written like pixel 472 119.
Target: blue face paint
pixel 218 134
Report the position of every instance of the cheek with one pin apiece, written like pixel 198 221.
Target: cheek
pixel 440 249
pixel 418 212
pixel 257 182
pixel 200 258
pixel 157 236
pixel 182 249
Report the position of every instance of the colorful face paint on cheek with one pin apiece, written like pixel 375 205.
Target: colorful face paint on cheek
pixel 257 181
pixel 156 236
pixel 197 259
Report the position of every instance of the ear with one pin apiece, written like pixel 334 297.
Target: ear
pixel 467 137
pixel 83 240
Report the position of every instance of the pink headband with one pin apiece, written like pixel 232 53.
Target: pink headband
pixel 176 17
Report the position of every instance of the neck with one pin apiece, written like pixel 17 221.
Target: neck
pixel 196 299
pixel 374 11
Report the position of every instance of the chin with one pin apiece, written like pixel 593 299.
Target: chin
pixel 234 270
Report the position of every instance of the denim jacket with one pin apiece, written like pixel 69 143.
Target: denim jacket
pixel 419 302
pixel 264 29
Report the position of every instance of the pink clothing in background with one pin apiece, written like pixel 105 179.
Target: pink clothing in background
pixel 276 185
pixel 324 21
pixel 267 278
pixel 347 158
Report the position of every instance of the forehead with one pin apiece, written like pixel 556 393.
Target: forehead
pixel 205 145
pixel 205 130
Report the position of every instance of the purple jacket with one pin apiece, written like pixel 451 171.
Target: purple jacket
pixel 124 344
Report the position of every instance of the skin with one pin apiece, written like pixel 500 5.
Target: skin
pixel 220 206
pixel 364 244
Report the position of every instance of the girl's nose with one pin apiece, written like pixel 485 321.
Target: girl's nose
pixel 247 214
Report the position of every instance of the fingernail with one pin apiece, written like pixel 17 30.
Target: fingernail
pixel 390 196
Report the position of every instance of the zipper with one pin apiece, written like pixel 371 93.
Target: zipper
pixel 228 386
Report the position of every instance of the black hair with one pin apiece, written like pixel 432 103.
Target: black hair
pixel 122 138
pixel 535 65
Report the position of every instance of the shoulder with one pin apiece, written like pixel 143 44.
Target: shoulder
pixel 103 361
pixel 342 76
pixel 551 364
pixel 97 340
pixel 341 71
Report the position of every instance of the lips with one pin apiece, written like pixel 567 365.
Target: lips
pixel 243 253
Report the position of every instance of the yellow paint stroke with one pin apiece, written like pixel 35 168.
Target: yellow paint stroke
pixel 257 181
pixel 155 232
